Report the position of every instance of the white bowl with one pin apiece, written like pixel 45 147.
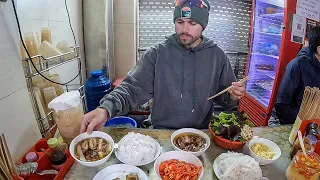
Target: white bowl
pixel 181 156
pixel 195 131
pixel 142 163
pixel 268 143
pixel 85 136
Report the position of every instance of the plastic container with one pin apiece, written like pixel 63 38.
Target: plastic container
pixel 96 87
pixel 64 47
pixel 32 157
pixel 297 147
pixel 46 35
pixel 69 114
pixel 122 121
pixel 304 168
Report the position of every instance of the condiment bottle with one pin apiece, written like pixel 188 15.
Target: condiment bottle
pixel 57 155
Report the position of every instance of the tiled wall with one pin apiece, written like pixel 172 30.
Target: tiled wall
pixel 125 36
pixel 17 120
pixel 36 14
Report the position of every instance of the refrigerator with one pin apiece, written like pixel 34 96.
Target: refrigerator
pixel 270 50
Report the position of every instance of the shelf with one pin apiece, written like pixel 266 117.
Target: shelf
pixel 274 57
pixel 269 34
pixel 267 88
pixel 43 65
pixel 270 74
pixel 52 67
pixel 261 99
pixel 46 61
pixel 274 15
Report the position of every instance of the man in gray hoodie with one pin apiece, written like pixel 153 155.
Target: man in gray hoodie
pixel 180 73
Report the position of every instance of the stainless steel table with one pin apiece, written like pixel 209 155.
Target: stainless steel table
pixel 275 171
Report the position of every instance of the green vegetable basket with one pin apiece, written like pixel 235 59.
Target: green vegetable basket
pixel 225 143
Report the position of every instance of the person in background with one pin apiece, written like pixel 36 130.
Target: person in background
pixel 180 73
pixel 303 71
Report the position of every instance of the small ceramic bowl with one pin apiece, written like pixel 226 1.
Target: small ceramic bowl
pixel 181 156
pixel 195 131
pixel 85 136
pixel 268 143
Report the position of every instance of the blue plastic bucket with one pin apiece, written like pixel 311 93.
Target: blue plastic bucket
pixel 121 120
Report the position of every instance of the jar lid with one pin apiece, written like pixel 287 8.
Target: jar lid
pixel 96 73
pixel 312 138
pixel 52 142
pixel 32 157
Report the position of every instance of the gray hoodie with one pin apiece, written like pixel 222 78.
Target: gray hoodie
pixel 180 81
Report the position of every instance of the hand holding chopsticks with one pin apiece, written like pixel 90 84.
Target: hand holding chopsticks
pixel 227 89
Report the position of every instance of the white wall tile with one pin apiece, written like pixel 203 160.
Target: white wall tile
pixel 11 67
pixel 18 122
pixel 31 25
pixel 35 9
pixel 61 31
pixel 57 11
pixel 67 72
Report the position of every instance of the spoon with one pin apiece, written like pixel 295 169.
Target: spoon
pixel 301 143
pixel 45 172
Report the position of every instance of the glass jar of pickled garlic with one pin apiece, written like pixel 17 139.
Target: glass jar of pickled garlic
pixel 303 167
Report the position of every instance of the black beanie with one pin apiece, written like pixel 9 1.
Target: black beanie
pixel 201 15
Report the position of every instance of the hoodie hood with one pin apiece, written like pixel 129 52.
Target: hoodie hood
pixel 307 53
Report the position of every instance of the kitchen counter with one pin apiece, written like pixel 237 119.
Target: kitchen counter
pixel 275 171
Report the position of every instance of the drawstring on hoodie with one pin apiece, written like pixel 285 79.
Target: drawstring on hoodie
pixel 193 79
pixel 208 44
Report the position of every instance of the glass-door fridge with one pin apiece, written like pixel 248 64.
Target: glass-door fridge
pixel 269 52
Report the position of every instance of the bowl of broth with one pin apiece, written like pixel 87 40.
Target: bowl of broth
pixel 190 140
pixel 92 149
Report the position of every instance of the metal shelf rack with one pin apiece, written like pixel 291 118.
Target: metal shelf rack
pixel 44 65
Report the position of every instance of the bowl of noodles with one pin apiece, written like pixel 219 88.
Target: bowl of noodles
pixel 264 151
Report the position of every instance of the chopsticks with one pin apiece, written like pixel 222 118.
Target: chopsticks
pixel 245 79
pixel 310 106
pixel 4 173
pixel 6 162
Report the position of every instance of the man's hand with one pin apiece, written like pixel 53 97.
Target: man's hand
pixel 94 120
pixel 237 90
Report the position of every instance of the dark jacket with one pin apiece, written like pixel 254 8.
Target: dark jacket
pixel 179 80
pixel 303 71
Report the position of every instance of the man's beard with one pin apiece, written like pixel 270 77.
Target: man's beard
pixel 187 42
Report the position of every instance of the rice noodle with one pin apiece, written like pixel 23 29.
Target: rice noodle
pixel 236 166
pixel 137 148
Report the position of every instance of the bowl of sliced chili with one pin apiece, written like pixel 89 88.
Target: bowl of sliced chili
pixel 178 165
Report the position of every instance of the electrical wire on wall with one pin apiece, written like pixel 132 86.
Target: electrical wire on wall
pixel 25 48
